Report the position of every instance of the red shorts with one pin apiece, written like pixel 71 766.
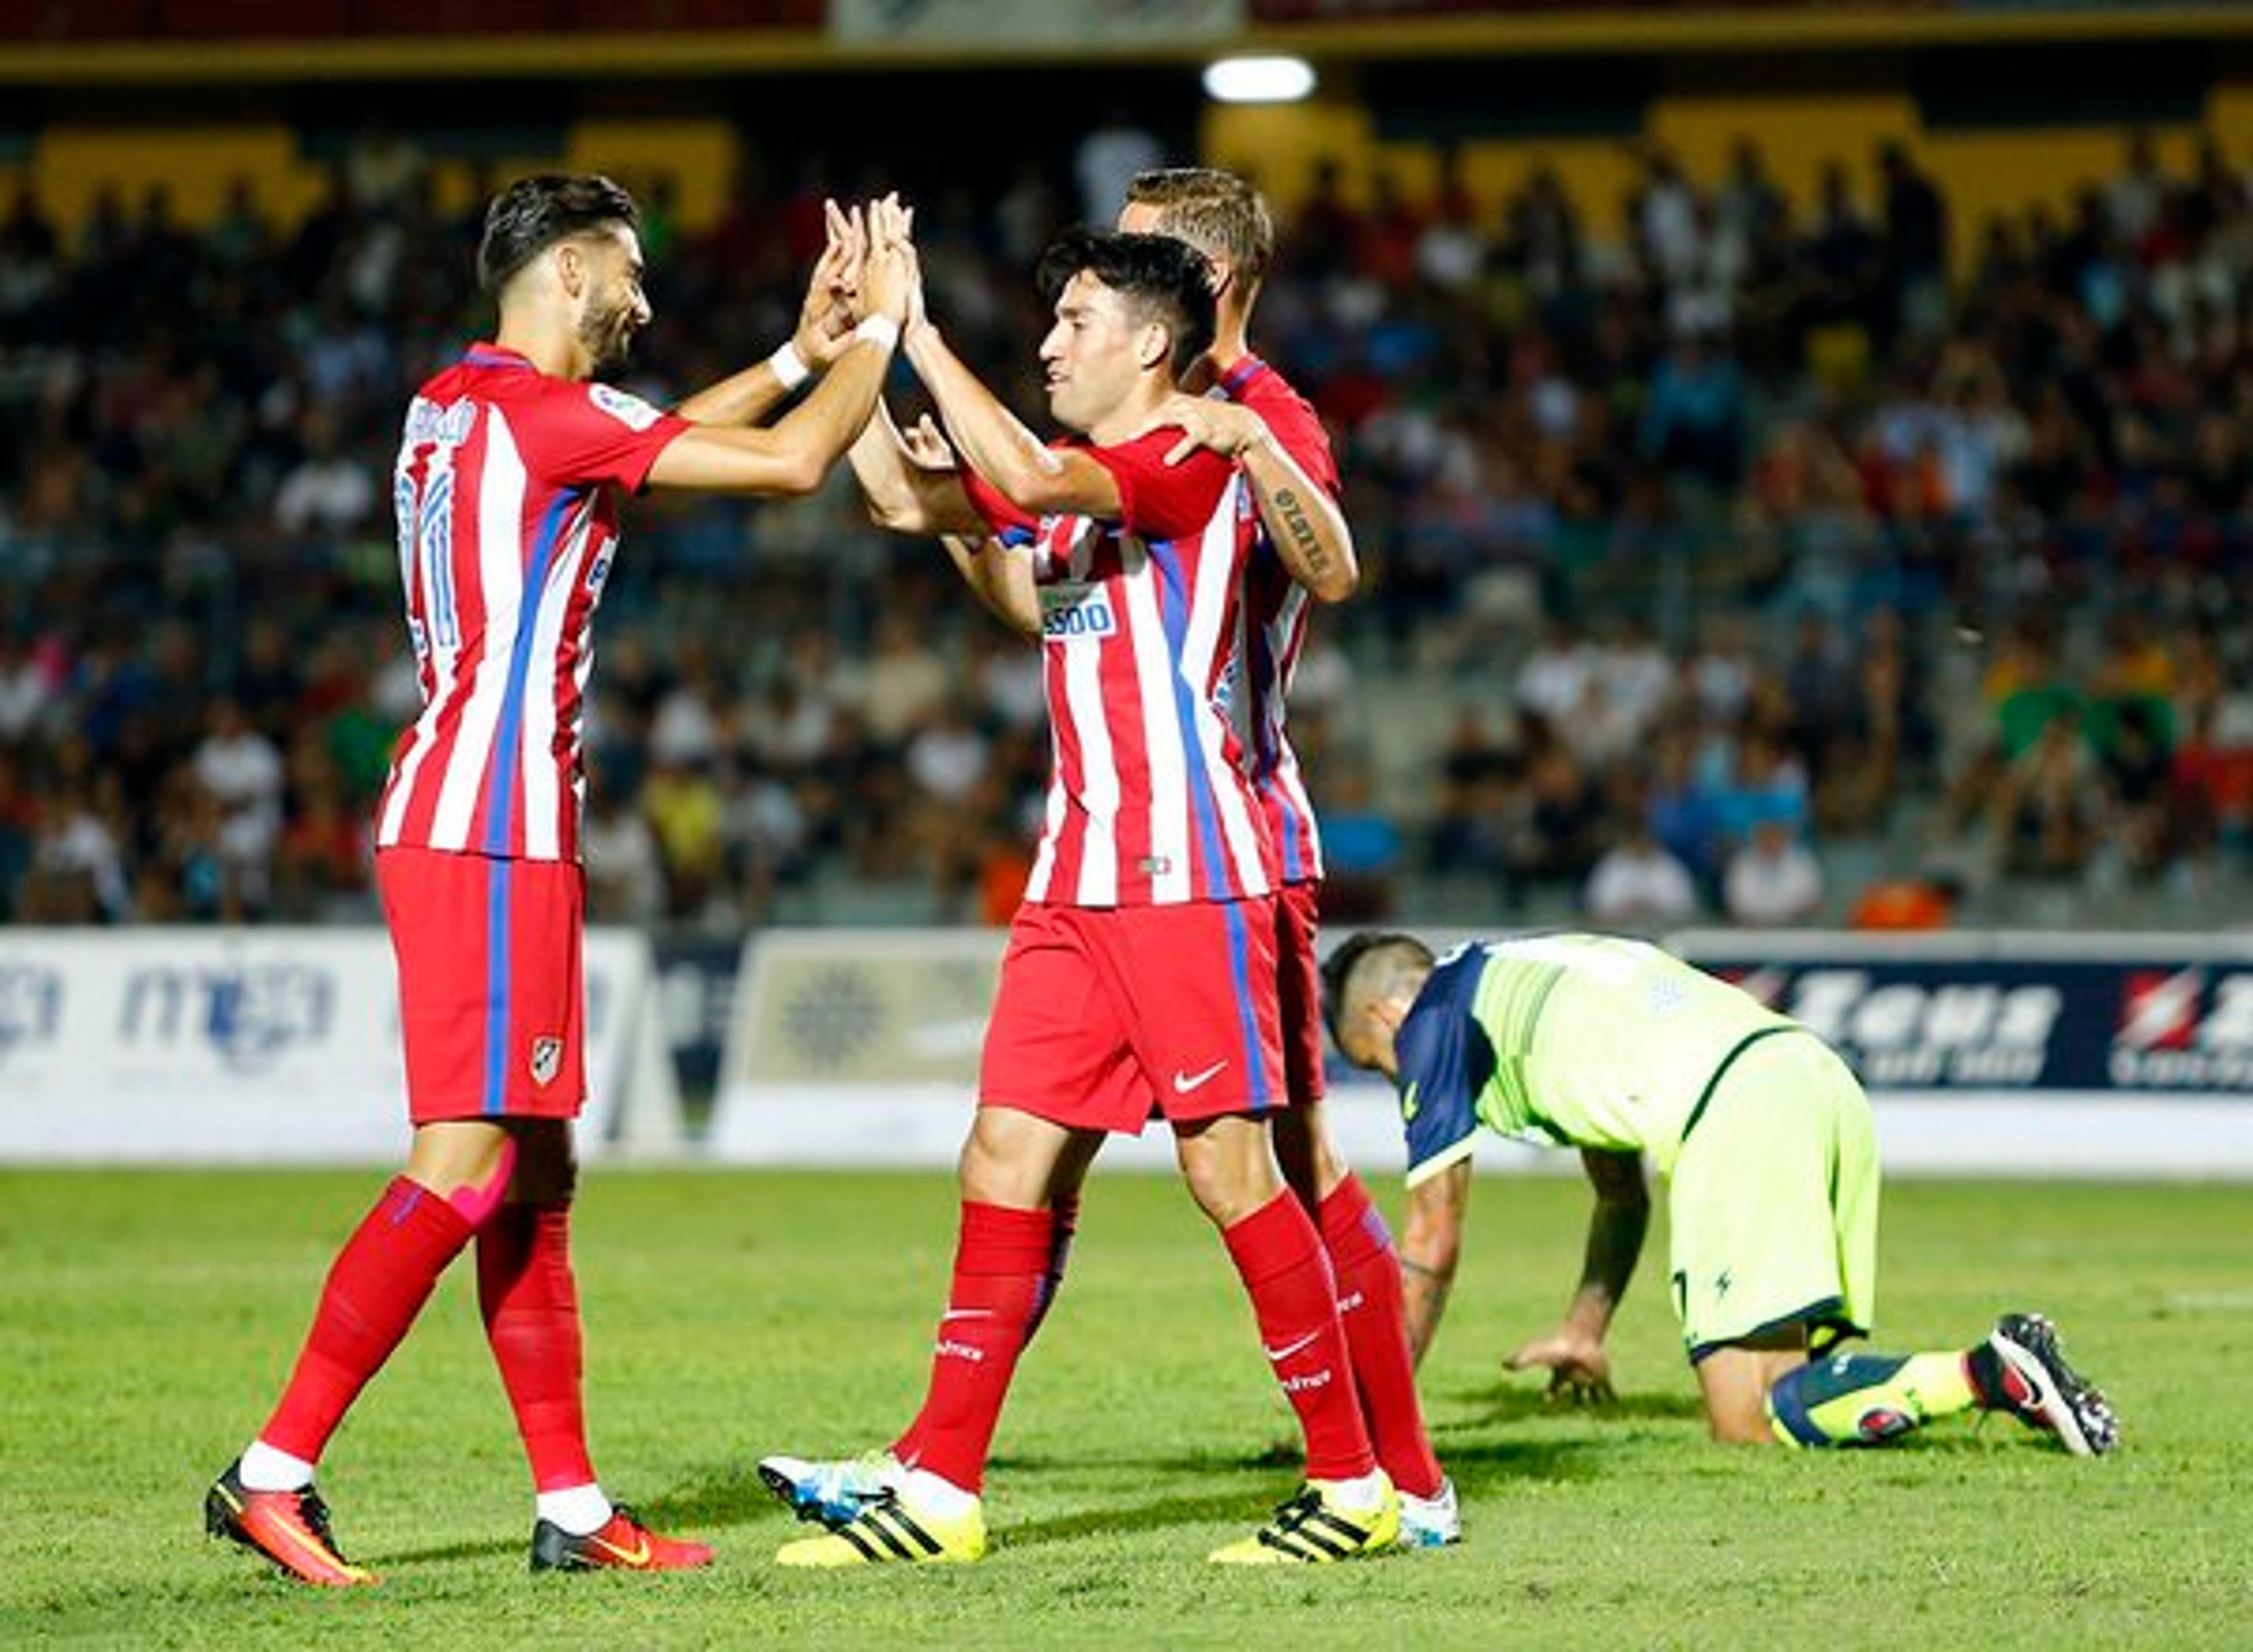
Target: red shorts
pixel 1298 986
pixel 493 999
pixel 1106 1017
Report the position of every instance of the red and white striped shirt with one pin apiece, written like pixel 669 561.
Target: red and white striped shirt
pixel 1148 802
pixel 1275 625
pixel 507 494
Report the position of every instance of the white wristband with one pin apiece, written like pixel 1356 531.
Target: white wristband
pixel 880 331
pixel 788 367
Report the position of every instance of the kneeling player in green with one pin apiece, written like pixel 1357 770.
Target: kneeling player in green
pixel 1764 1135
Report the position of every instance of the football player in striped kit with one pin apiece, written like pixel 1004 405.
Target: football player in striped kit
pixel 1252 414
pixel 1140 977
pixel 510 468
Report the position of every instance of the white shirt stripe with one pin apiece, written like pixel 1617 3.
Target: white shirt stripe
pixel 1098 858
pixel 500 541
pixel 542 810
pixel 1215 568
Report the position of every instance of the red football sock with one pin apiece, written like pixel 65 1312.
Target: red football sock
pixel 1294 1299
pixel 1066 1212
pixel 375 1288
pixel 1001 1261
pixel 1376 1323
pixel 531 1309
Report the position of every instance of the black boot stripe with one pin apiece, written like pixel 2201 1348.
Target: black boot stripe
pixel 1327 1544
pixel 1354 1535
pixel 1287 1543
pixel 859 1542
pixel 898 1516
pixel 875 1527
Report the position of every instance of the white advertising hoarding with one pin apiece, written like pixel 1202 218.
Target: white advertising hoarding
pixel 859 1048
pixel 175 1046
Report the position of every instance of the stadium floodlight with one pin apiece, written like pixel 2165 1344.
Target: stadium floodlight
pixel 1259 79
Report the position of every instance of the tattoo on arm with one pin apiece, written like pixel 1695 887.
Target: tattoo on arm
pixel 1301 531
pixel 1425 1293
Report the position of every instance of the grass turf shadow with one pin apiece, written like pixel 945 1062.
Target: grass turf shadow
pixel 475 1549
pixel 1510 1401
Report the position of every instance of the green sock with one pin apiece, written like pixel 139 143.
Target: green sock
pixel 1864 1399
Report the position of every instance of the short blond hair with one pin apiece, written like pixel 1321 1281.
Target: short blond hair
pixel 1216 212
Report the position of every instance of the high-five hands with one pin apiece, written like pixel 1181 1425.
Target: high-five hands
pixel 926 445
pixel 825 321
pixel 891 281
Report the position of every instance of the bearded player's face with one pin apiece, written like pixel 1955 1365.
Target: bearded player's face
pixel 616 309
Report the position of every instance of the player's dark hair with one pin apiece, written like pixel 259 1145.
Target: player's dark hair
pixel 532 214
pixel 1366 962
pixel 1213 210
pixel 1163 279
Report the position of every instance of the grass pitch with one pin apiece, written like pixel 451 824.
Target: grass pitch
pixel 147 1321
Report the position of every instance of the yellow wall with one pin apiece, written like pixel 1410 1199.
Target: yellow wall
pixel 73 163
pixel 1981 172
pixel 1798 134
pixel 1280 145
pixel 699 156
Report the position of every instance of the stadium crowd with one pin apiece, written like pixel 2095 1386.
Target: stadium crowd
pixel 1707 539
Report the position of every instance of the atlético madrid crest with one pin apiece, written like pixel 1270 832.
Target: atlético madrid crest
pixel 547 1059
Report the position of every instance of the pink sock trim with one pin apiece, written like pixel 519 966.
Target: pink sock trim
pixel 476 1203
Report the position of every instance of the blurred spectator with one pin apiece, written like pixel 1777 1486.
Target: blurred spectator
pixel 2135 194
pixel 1694 422
pixel 77 874
pixel 1106 158
pixel 682 806
pixel 19 825
pixel 903 681
pixel 625 868
pixel 27 690
pixel 240 769
pixel 1638 886
pixel 1361 850
pixel 1917 238
pixel 2044 817
pixel 1773 879
pixel 328 491
pixel 1919 902
pixel 321 862
pixel 765 836
pixel 1554 820
pixel 1613 475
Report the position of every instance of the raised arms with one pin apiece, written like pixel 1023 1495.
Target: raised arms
pixel 795 453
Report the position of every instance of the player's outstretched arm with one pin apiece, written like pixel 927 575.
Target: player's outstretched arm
pixel 1303 522
pixel 1002 577
pixel 912 486
pixel 1573 1352
pixel 1430 1249
pixel 908 478
pixel 1037 478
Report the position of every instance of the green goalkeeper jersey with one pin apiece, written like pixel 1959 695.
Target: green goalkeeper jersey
pixel 1584 1040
